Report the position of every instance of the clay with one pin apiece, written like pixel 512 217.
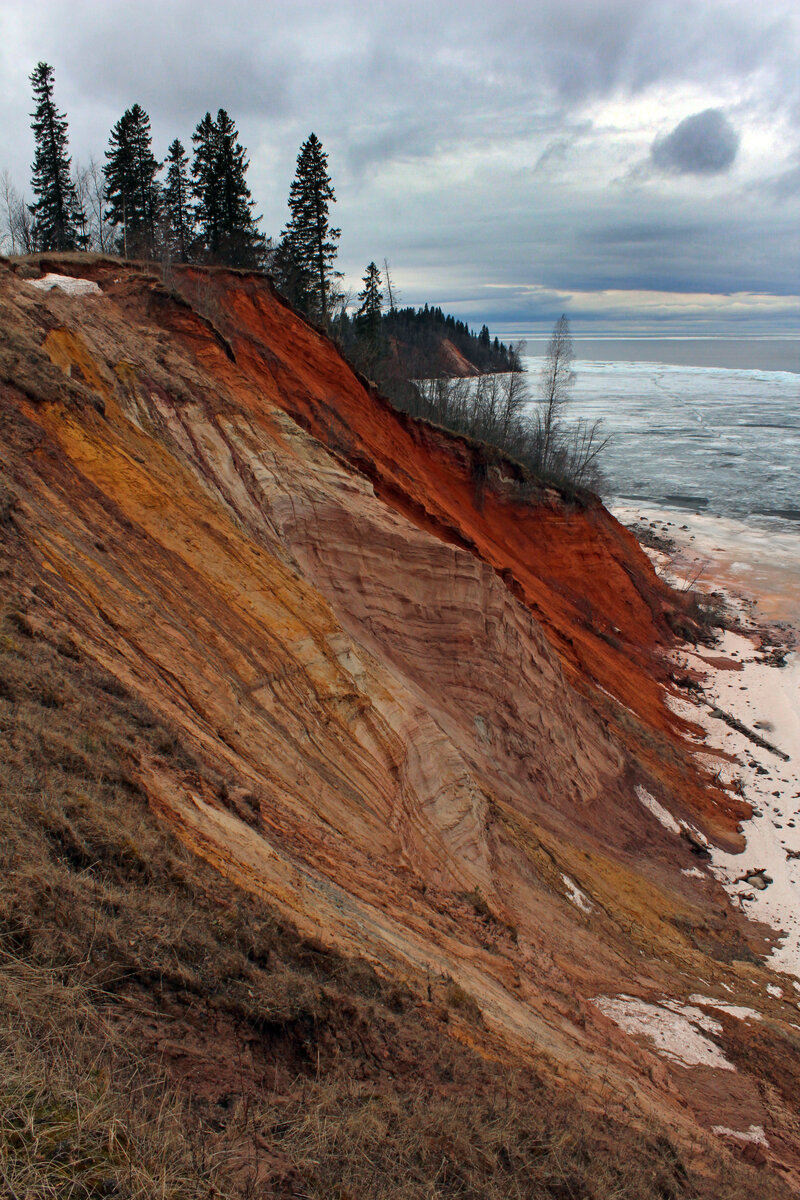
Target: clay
pixel 423 695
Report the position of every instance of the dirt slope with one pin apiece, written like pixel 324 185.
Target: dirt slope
pixel 430 700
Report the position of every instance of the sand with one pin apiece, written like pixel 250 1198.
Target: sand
pixel 741 680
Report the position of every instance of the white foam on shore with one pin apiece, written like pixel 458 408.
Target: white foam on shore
pixel 66 283
pixel 679 1032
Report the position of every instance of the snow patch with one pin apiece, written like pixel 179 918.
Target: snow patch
pixel 763 697
pixel 735 1010
pixel 678 1031
pixel 65 283
pixel 574 893
pixel 693 872
pixel 754 1134
pixel 658 810
pixel 774 990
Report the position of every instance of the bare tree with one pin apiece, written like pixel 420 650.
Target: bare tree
pixel 557 378
pixel 514 400
pixel 497 409
pixel 390 288
pixel 16 222
pixel 490 408
pixel 7 193
pixel 90 189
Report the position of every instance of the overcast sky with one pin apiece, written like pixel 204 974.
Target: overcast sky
pixel 635 163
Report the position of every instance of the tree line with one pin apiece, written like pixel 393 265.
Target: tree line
pixel 427 335
pixel 199 209
pixel 497 408
pixel 187 207
pixel 202 211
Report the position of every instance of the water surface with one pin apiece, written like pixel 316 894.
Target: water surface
pixel 715 439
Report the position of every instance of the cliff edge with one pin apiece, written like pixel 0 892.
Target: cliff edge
pixel 424 698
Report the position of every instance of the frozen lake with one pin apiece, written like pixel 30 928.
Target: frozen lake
pixel 713 439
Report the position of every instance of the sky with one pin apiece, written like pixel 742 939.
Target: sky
pixel 633 163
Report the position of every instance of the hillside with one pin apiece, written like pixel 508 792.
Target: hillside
pixel 403 344
pixel 333 758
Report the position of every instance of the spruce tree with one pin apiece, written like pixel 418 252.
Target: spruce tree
pixel 291 276
pixel 228 230
pixel 241 244
pixel 58 218
pixel 205 184
pixel 309 240
pixel 368 315
pixel 178 219
pixel 132 190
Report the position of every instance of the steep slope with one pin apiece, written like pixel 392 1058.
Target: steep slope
pixel 432 705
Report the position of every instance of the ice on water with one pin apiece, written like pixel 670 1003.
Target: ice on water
pixel 721 440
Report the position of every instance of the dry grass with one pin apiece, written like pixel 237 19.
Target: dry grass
pixel 350 1141
pixel 288 1070
pixel 80 1116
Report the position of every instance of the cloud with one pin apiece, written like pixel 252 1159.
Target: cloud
pixel 469 144
pixel 703 144
pixel 785 185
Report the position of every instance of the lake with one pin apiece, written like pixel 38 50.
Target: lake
pixel 690 430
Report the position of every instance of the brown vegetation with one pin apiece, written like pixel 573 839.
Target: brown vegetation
pixel 165 1034
pixel 300 846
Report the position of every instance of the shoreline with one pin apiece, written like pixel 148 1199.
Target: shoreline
pixel 757 568
pixel 748 699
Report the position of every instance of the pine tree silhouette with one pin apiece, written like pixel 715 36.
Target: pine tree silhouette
pixel 178 218
pixel 368 315
pixel 307 252
pixel 59 220
pixel 132 190
pixel 228 231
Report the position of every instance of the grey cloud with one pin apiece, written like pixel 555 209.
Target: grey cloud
pixel 633 234
pixel 418 104
pixel 785 185
pixel 559 149
pixel 703 144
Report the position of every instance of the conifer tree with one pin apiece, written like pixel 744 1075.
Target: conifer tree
pixel 241 243
pixel 224 210
pixel 132 190
pixel 289 274
pixel 178 219
pixel 57 215
pixel 205 186
pixel 308 247
pixel 368 315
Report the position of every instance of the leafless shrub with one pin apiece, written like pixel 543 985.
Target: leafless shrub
pixel 16 222
pixel 90 189
pixel 500 411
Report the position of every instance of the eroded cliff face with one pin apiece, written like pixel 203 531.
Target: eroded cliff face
pixel 437 704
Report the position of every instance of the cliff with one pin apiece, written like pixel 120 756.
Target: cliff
pixel 427 699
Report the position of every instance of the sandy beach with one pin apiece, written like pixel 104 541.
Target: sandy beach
pixel 756 565
pixel 749 705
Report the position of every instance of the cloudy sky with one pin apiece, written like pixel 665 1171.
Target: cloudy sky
pixel 635 163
